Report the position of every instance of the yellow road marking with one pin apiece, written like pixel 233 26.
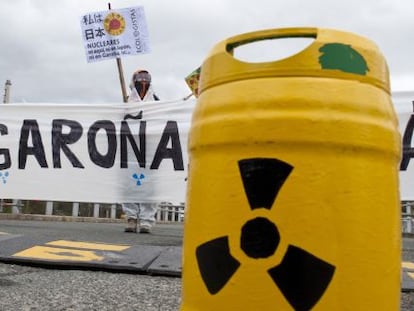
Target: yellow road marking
pixel 86 245
pixel 411 274
pixel 408 265
pixel 70 250
pixel 3 232
pixel 54 253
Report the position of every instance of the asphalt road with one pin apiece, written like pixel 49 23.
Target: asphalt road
pixel 163 234
pixel 52 287
pixel 36 289
pixel 24 287
pixel 99 246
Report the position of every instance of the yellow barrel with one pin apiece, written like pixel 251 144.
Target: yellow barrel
pixel 292 200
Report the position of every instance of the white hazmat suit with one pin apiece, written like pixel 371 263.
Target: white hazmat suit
pixel 142 212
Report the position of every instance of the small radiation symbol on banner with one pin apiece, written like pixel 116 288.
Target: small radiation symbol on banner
pixel 114 24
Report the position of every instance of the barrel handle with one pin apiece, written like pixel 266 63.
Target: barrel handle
pixel 233 42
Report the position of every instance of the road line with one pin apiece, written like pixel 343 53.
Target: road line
pixel 88 245
pixel 408 265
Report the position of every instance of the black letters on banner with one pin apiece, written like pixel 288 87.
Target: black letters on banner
pixel 60 141
pixel 31 127
pixel 5 152
pixel 174 153
pixel 67 132
pixel 126 135
pixel 408 151
pixel 104 160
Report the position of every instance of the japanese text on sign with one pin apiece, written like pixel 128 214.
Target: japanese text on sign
pixel 114 33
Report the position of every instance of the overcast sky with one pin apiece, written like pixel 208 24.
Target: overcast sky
pixel 43 55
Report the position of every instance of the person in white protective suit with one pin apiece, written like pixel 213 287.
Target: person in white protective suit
pixel 142 212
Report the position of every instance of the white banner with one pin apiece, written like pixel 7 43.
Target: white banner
pixel 107 153
pixel 112 153
pixel 114 33
pixel 403 103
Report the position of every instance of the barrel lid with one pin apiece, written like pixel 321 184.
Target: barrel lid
pixel 332 54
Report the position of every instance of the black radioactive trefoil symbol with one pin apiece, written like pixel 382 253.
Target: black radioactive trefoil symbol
pixel 301 277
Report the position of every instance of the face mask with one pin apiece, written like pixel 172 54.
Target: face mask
pixel 142 88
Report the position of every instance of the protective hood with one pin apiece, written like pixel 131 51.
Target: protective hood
pixel 134 96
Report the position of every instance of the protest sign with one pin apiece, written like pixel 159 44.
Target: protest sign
pixel 114 33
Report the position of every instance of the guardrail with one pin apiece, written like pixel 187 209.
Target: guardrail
pixel 407 217
pixel 170 213
pixel 167 212
pixel 407 224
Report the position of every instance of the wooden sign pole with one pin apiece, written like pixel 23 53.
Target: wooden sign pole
pixel 121 74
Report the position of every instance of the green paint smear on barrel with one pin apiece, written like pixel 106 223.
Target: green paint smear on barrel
pixel 342 57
